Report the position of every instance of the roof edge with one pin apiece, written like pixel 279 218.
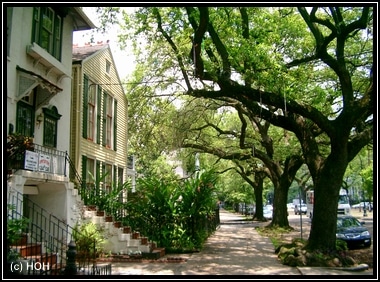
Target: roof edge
pixel 80 14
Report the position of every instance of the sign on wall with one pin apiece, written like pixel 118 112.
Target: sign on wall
pixel 37 161
pixel 31 160
pixel 44 163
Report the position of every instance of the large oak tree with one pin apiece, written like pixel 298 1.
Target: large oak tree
pixel 308 71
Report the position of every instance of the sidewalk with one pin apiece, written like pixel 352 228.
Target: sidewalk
pixel 235 249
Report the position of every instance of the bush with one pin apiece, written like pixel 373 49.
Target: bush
pixel 89 241
pixel 177 215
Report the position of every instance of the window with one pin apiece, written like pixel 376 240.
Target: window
pixel 120 173
pixel 25 119
pixel 51 126
pixel 108 67
pixel 107 171
pixel 89 174
pixel 90 178
pixel 50 132
pixel 108 120
pixel 25 115
pixel 91 112
pixel 47 29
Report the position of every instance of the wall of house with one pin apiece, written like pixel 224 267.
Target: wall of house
pixel 21 34
pixel 52 190
pixel 95 68
pixel 76 116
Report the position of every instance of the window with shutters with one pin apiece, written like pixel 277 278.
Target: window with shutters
pixel 47 29
pixel 120 181
pixel 90 173
pixel 91 110
pixel 91 123
pixel 108 120
pixel 107 171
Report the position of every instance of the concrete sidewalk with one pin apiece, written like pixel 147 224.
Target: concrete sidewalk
pixel 235 249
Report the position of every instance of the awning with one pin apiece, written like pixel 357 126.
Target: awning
pixel 28 80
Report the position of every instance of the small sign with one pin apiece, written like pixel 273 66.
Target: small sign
pixel 44 163
pixel 31 160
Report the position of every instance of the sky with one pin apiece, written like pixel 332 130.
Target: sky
pixel 124 60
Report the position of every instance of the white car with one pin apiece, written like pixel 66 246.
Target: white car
pixel 299 210
pixel 361 205
pixel 267 212
pixel 290 205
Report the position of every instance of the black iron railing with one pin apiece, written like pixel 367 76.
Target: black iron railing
pixel 45 238
pixel 38 158
pixel 44 242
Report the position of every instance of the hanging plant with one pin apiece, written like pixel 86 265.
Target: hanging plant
pixel 18 143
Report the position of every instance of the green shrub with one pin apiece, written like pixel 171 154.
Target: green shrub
pixel 89 240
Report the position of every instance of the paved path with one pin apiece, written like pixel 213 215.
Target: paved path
pixel 235 249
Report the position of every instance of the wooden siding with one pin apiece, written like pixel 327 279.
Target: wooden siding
pixel 95 68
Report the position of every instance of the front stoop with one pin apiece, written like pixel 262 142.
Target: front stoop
pixel 122 240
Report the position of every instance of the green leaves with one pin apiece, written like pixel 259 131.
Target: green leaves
pixel 16 225
pixel 174 213
pixel 89 239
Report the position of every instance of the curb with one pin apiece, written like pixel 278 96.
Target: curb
pixel 360 267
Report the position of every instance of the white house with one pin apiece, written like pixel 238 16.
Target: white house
pixel 39 79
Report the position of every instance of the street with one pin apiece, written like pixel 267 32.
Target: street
pixel 298 221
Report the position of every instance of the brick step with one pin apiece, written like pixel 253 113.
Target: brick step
pixel 29 249
pixel 133 235
pixel 159 250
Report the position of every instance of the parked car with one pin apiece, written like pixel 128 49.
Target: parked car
pixel 352 231
pixel 267 212
pixel 368 205
pixel 269 207
pixel 298 209
pixel 290 206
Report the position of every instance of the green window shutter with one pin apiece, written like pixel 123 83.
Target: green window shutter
pixel 99 114
pixel 103 174
pixel 84 171
pixel 85 106
pixel 115 126
pixel 114 180
pixel 104 118
pixel 97 175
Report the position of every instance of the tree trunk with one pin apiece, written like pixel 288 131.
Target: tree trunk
pixel 258 190
pixel 326 194
pixel 280 209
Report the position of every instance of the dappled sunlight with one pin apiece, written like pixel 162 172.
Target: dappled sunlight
pixel 235 248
